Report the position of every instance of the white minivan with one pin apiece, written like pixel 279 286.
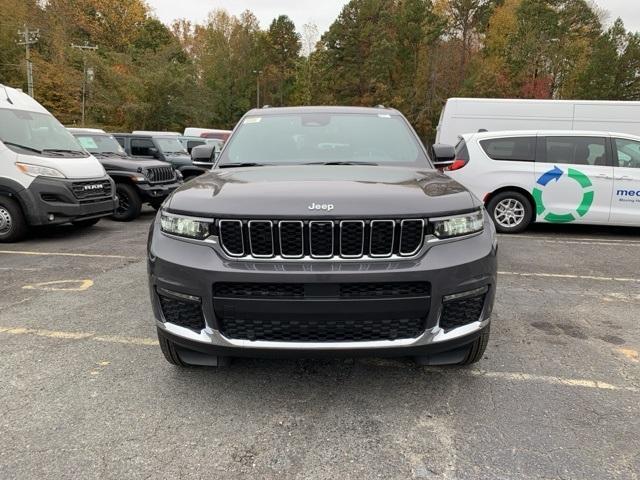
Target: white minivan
pixel 551 176
pixel 46 177
pixel 467 115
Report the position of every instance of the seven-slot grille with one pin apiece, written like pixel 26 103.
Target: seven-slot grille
pixel 321 239
pixel 92 190
pixel 160 174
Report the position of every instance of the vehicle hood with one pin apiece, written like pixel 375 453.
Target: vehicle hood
pixel 353 191
pixel 74 167
pixel 129 164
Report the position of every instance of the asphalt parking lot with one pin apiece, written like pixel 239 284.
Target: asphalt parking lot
pixel 85 392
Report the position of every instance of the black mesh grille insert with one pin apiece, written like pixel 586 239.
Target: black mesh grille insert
pixel 291 239
pixel 261 238
pixel 321 239
pixel 325 330
pixel 329 290
pixel 352 238
pixel 231 236
pixel 397 289
pixel 457 313
pixel 411 236
pixel 279 290
pixel 382 237
pixel 185 314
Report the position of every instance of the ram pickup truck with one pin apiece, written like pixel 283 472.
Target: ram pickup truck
pixel 323 231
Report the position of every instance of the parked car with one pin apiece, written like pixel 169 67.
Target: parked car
pixel 166 148
pixel 190 142
pixel 207 133
pixel 46 178
pixel 469 115
pixel 323 231
pixel 552 176
pixel 138 180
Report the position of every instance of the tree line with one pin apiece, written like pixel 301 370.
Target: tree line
pixel 407 54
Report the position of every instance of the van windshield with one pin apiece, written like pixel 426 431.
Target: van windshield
pixel 36 134
pixel 324 138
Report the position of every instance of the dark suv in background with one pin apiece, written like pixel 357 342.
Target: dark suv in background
pixel 167 148
pixel 323 231
pixel 138 180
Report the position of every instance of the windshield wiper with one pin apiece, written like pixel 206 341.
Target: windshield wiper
pixel 342 163
pixel 242 164
pixel 31 149
pixel 62 150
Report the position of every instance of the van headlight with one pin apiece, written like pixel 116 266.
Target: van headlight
pixel 188 227
pixel 458 225
pixel 38 170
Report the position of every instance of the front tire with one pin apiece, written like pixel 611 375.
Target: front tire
pixel 511 211
pixel 129 203
pixel 478 348
pixel 13 226
pixel 187 358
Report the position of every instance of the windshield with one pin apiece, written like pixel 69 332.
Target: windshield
pixel 171 146
pixel 291 139
pixel 36 133
pixel 100 144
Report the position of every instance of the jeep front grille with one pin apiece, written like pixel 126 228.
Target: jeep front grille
pixel 321 239
pixel 160 174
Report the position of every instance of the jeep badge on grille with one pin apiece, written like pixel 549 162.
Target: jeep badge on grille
pixel 325 206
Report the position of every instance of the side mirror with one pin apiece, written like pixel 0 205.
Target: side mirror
pixel 203 154
pixel 444 155
pixel 154 152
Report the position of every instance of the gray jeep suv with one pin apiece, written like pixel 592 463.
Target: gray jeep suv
pixel 323 231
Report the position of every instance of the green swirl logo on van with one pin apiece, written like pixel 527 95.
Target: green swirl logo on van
pixel 555 175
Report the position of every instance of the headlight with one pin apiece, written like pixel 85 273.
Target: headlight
pixel 179 174
pixel 188 227
pixel 39 171
pixel 458 225
pixel 138 177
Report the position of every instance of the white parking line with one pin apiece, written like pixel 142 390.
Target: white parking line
pixel 509 376
pixel 67 254
pixel 568 276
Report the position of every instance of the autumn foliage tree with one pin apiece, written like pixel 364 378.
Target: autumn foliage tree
pixel 407 54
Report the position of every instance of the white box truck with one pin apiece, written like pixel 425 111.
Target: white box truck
pixel 46 177
pixel 471 115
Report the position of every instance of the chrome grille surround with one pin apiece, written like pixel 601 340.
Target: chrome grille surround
pixel 347 239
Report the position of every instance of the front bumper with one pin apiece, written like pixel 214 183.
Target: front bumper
pixel 51 201
pixel 160 191
pixel 449 268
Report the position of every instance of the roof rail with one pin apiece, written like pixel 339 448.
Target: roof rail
pixel 380 106
pixel 266 106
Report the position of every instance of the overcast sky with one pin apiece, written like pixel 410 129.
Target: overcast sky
pixel 322 12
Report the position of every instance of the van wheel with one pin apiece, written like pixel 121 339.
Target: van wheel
pixel 477 348
pixel 129 203
pixel 510 211
pixel 13 226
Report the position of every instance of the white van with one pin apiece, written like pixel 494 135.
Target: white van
pixel 552 176
pixel 46 177
pixel 469 115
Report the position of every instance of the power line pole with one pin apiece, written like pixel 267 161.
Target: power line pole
pixel 258 73
pixel 28 37
pixel 84 48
